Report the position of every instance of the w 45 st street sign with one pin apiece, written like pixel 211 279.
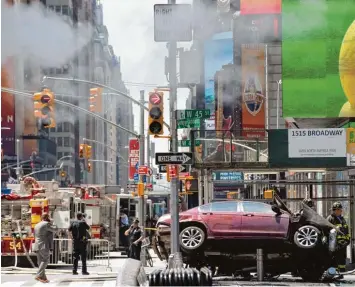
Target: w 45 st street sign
pixel 192 114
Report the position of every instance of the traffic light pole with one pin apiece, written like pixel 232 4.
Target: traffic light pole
pixel 141 162
pixel 174 201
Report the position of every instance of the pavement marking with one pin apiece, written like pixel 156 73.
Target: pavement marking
pixel 11 284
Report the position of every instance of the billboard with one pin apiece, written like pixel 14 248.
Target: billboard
pixel 7 111
pixel 318 56
pixel 218 52
pixel 253 90
pixel 133 157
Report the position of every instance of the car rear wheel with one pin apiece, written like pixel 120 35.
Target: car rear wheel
pixel 192 238
pixel 307 237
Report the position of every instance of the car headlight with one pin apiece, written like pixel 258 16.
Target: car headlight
pixel 162 228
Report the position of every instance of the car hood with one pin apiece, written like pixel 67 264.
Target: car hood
pixel 166 218
pixel 313 217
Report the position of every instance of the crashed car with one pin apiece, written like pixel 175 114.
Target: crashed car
pixel 224 235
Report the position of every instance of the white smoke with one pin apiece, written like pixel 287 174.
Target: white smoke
pixel 32 31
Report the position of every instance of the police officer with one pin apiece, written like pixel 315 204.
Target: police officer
pixel 343 237
pixel 135 239
pixel 79 230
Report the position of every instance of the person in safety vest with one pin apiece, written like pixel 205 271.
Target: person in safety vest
pixel 343 237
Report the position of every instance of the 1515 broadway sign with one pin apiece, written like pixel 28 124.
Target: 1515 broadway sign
pixel 316 143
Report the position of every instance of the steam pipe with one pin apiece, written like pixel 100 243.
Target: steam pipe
pixel 27 95
pixel 102 86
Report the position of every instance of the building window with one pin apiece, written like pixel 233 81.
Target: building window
pixel 66 141
pixel 58 9
pixel 72 141
pixel 59 127
pixel 59 141
pixel 59 155
pixel 51 7
pixel 66 127
pixel 65 10
pixel 53 139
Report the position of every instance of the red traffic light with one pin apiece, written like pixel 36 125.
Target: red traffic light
pixel 155 99
pixel 45 99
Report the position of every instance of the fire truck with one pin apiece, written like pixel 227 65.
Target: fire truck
pixel 21 208
pixel 23 204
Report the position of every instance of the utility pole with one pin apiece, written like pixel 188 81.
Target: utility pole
pixel 141 162
pixel 174 201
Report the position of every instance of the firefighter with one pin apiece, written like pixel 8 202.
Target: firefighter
pixel 343 237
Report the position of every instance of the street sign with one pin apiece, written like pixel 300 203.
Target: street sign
pixel 136 177
pixel 143 170
pixel 188 124
pixel 163 158
pixel 182 168
pixel 193 114
pixel 172 22
pixel 187 143
pixel 131 185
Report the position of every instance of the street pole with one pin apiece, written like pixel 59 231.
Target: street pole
pixel 174 201
pixel 148 157
pixel 141 162
pixel 278 104
pixel 18 158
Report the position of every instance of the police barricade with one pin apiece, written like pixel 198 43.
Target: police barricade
pixel 98 253
pixel 181 277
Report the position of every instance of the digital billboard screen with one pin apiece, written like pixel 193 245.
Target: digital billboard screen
pixel 318 58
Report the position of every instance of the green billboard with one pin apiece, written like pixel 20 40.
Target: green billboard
pixel 318 58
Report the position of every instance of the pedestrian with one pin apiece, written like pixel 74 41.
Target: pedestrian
pixel 44 234
pixel 135 238
pixel 79 235
pixel 124 225
pixel 343 236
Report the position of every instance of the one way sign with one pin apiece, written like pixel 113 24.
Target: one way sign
pixel 182 168
pixel 164 158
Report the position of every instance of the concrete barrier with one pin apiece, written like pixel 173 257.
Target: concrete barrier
pixel 131 274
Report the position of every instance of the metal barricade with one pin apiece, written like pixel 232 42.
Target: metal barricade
pixel 98 253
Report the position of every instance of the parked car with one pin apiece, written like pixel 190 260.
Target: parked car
pixel 221 234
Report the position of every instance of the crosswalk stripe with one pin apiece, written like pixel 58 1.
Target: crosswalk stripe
pixel 109 284
pixel 12 284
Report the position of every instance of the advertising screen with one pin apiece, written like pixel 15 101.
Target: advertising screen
pixel 218 52
pixel 318 58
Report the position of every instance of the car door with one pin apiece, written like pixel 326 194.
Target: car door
pixel 259 220
pixel 223 219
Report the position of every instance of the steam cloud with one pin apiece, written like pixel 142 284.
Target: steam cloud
pixel 31 31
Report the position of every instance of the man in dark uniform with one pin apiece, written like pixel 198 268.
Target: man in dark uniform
pixel 79 231
pixel 135 239
pixel 343 237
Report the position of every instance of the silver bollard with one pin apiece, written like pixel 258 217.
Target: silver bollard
pixel 260 264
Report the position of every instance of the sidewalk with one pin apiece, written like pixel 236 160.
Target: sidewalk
pixel 97 273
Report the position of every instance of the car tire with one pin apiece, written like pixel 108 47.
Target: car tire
pixel 192 238
pixel 307 237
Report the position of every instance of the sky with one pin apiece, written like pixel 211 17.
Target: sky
pixel 130 24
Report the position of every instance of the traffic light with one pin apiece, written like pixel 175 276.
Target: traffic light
pixel 81 150
pixel 140 189
pixel 88 151
pixel 95 100
pixel 156 113
pixel 44 108
pixel 89 167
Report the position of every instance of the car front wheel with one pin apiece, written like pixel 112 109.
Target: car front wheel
pixel 307 237
pixel 192 238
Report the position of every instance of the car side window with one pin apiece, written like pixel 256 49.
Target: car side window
pixel 257 207
pixel 205 208
pixel 224 206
